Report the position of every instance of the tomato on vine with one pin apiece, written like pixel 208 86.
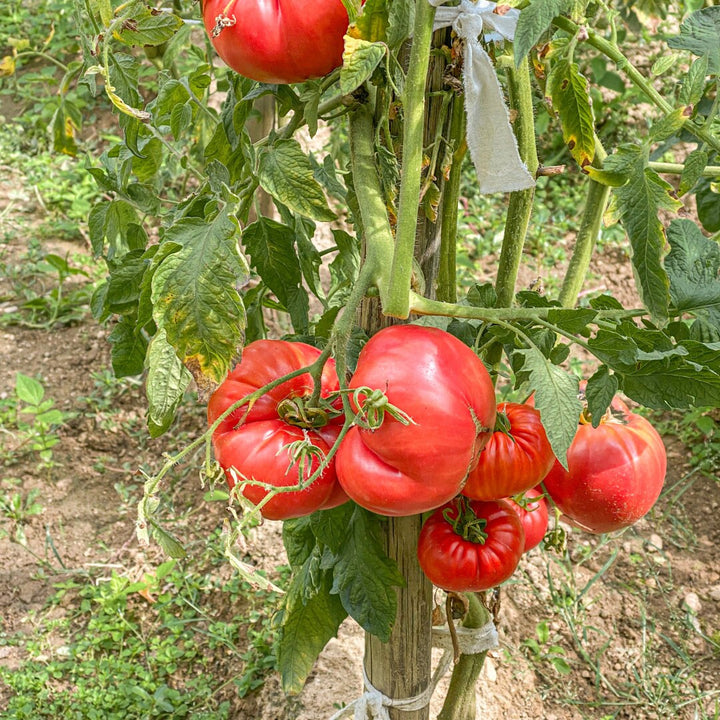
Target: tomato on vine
pixel 532 509
pixel 615 472
pixel 402 468
pixel 277 41
pixel 278 441
pixel 469 546
pixel 516 458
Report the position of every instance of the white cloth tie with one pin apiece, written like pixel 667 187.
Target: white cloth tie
pixel 490 138
pixel 374 705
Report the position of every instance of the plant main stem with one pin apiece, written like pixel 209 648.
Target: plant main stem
pixel 447 273
pixel 398 300
pixel 588 233
pixel 521 202
pixel 460 699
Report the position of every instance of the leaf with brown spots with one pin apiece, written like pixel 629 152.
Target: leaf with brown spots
pixel 568 91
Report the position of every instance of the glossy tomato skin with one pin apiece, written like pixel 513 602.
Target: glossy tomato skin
pixel 533 514
pixel 615 473
pixel 443 386
pixel 253 441
pixel 258 451
pixel 458 565
pixel 512 462
pixel 278 41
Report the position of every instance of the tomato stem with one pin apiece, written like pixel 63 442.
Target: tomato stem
pixel 465 522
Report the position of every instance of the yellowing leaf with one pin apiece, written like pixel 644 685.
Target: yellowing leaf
pixel 7 66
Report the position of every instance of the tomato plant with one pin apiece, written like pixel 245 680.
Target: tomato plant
pixel 532 509
pixel 469 546
pixel 615 472
pixel 277 441
pixel 277 41
pixel 516 458
pixel 403 469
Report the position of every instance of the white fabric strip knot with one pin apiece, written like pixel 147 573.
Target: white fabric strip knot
pixel 490 138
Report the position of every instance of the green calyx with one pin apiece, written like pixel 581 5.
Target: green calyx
pixel 465 522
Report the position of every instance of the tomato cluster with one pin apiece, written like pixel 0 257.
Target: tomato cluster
pixel 425 436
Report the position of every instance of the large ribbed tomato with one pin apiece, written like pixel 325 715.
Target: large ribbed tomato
pixel 615 472
pixel 516 458
pixel 444 387
pixel 277 41
pixel 255 443
pixel 469 546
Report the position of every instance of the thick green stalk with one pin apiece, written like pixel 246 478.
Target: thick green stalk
pixel 460 699
pixel 588 233
pixel 373 212
pixel 521 202
pixel 710 171
pixel 447 273
pixel 398 300
pixel 636 77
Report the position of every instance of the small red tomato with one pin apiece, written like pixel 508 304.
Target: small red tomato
pixel 516 458
pixel 533 512
pixel 615 472
pixel 468 546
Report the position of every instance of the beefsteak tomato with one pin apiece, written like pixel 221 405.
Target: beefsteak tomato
pixel 469 546
pixel 258 443
pixel 533 513
pixel 615 472
pixel 442 385
pixel 277 41
pixel 517 457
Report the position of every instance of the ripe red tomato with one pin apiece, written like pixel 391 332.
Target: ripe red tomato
pixel 469 546
pixel 516 458
pixel 533 514
pixel 277 41
pixel 615 472
pixel 255 441
pixel 443 386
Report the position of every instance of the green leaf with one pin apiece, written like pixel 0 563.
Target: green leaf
pixel 708 206
pixel 285 172
pixel 668 125
pixel 482 295
pixel 401 17
pixel 364 576
pixel 360 58
pixel 693 168
pixel 124 282
pixel 331 527
pixel 572 321
pixel 108 223
pixel 700 34
pixel 299 540
pixel 693 267
pixel 306 629
pixel 271 246
pixel 194 296
pixel 168 542
pixel 372 23
pixel 693 83
pixel 605 177
pixel 165 385
pixel 639 203
pixel 103 9
pixel 556 398
pixel 145 26
pixel 599 392
pixel 28 389
pixel 128 348
pixel 568 89
pixel 534 20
